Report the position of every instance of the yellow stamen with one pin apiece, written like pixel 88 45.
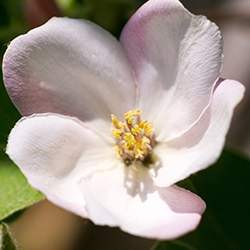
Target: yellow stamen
pixel 134 137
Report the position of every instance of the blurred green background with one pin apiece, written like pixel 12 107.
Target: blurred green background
pixel 45 227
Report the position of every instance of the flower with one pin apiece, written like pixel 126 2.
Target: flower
pixel 110 127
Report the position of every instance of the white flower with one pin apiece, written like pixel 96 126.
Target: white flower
pixel 164 73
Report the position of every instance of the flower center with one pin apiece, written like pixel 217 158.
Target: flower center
pixel 134 138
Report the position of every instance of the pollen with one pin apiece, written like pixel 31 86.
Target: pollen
pixel 134 137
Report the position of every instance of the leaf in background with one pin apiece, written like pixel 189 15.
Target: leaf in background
pixel 6 241
pixel 15 192
pixel 12 24
pixel 110 14
pixel 174 245
pixel 225 225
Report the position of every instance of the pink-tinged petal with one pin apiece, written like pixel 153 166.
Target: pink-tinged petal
pixel 54 152
pixel 70 67
pixel 176 57
pixel 202 145
pixel 131 202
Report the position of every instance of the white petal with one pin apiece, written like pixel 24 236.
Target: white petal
pixel 129 200
pixel 177 58
pixel 202 145
pixel 54 152
pixel 69 67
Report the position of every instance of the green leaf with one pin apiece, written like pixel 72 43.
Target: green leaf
pixel 225 225
pixel 6 241
pixel 15 192
pixel 110 14
pixel 174 245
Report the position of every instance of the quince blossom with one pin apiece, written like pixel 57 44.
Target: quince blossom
pixel 110 126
